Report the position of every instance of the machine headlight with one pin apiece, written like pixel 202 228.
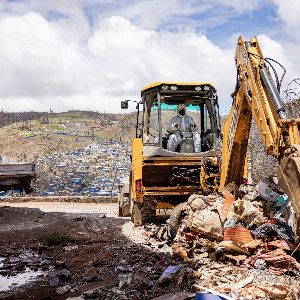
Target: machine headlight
pixel 173 88
pixel 165 87
pixel 197 88
pixel 206 88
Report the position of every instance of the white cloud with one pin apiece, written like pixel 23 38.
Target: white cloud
pixel 41 70
pixel 62 63
pixel 35 60
pixel 277 51
pixel 289 12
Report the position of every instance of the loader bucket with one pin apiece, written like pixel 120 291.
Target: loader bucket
pixel 288 174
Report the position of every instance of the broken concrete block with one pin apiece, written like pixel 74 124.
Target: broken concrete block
pixel 196 202
pixel 248 212
pixel 206 222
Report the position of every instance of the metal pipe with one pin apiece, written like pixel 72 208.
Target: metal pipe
pixel 159 120
pixel 272 92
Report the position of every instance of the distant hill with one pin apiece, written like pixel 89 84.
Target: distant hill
pixel 40 134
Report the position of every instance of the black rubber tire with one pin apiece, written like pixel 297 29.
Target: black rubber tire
pixel 143 212
pixel 175 217
pixel 148 209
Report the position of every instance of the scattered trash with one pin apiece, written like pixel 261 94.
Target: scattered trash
pixel 273 230
pixel 54 281
pixel 231 246
pixel 238 234
pixel 209 292
pixel 278 262
pixel 241 284
pixel 169 274
pixel 204 219
pixel 123 269
pixel 71 248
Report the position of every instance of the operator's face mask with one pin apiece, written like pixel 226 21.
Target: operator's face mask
pixel 181 109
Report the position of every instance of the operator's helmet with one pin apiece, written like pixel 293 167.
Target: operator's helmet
pixel 180 107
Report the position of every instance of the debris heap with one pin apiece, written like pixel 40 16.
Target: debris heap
pixel 240 243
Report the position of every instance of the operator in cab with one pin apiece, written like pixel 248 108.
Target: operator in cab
pixel 181 127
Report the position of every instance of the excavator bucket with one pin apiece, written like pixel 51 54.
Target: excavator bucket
pixel 289 179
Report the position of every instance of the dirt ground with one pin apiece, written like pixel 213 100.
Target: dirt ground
pixel 81 245
pixel 76 251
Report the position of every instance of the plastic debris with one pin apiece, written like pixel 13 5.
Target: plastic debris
pixel 238 234
pixel 273 230
pixel 169 273
pixel 278 262
pixel 231 246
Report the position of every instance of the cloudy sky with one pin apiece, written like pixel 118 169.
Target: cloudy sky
pixel 90 54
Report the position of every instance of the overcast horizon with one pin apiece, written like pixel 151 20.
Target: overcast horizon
pixel 90 55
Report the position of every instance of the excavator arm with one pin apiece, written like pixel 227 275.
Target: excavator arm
pixel 257 97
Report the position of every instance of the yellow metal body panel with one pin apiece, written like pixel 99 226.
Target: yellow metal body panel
pixel 137 161
pixel 256 97
pixel 164 205
pixel 252 100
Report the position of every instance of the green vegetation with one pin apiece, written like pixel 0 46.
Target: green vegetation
pixel 56 239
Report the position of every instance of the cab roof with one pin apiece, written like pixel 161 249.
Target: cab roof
pixel 157 84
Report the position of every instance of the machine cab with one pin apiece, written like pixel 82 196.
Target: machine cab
pixel 179 119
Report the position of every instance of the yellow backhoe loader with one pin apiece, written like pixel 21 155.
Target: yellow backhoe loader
pixel 179 150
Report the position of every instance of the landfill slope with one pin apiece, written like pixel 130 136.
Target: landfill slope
pixel 264 165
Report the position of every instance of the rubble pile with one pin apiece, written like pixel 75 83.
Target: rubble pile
pixel 240 243
pixel 264 165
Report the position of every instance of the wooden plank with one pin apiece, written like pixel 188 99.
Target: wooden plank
pixel 174 158
pixel 174 164
pixel 17 171
pixel 17 167
pixel 16 176
pixel 171 190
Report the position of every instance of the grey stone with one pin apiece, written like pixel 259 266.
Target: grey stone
pixel 60 263
pixel 54 281
pixel 64 274
pixel 63 289
pixel 196 202
pixel 123 269
pixel 206 222
pixel 92 294
pixel 260 264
